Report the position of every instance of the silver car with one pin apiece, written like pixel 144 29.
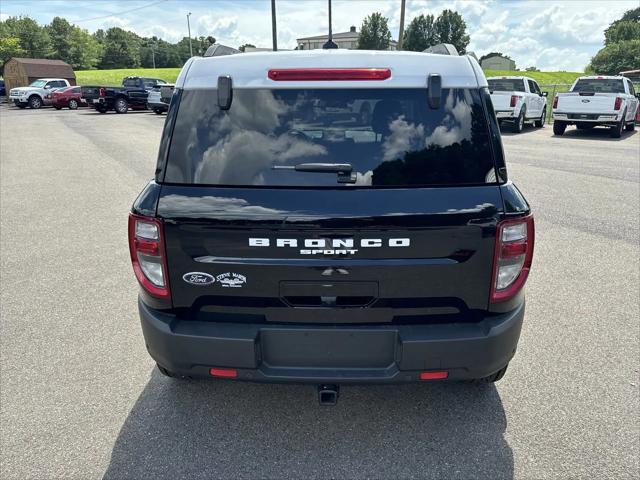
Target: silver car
pixel 154 101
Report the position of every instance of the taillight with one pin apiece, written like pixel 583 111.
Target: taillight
pixel 512 258
pixel 514 100
pixel 555 102
pixel 146 245
pixel 323 74
pixel 618 104
pixel 102 92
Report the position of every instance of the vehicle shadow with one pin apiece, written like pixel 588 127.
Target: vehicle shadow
pixel 224 429
pixel 91 111
pixel 596 133
pixel 506 131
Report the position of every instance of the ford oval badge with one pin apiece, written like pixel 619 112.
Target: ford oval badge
pixel 198 278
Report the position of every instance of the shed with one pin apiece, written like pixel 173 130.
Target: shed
pixel 19 72
pixel 498 62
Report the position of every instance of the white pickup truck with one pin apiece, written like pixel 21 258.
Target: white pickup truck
pixel 609 101
pixel 518 100
pixel 37 93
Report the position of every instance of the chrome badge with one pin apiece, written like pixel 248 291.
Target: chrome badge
pixel 198 278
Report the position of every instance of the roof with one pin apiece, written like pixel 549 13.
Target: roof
pixel 600 77
pixel 511 77
pixel 333 35
pixel 408 69
pixel 498 55
pixel 42 67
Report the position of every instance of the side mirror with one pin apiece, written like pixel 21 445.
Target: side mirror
pixel 47 87
pixel 638 96
pixel 544 94
pixel 225 92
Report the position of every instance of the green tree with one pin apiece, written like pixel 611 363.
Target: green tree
pixel 622 31
pixel 203 43
pixel 374 33
pixel 59 31
pixel 622 46
pixel 85 52
pixel 9 47
pixel 99 35
pixel 34 39
pixel 451 28
pixel 420 34
pixel 121 49
pixel 616 58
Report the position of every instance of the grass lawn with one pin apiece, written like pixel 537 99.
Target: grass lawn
pixel 114 77
pixel 543 78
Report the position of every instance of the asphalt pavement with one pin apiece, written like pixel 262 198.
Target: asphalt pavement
pixel 80 398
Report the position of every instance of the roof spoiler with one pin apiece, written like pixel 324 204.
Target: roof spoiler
pixel 218 50
pixel 442 49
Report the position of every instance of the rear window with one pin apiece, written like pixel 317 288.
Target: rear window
pixel 603 85
pixel 506 85
pixel 389 137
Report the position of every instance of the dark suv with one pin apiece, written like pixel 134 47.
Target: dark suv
pixel 351 224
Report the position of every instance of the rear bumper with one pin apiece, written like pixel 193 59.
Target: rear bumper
pixel 597 118
pixel 506 114
pixel 159 105
pixel 331 354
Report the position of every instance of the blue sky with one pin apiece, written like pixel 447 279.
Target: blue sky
pixel 552 35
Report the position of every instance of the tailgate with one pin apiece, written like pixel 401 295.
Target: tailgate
pixel 330 256
pixel 501 101
pixel 89 93
pixel 586 102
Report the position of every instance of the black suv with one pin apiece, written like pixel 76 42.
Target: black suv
pixel 351 224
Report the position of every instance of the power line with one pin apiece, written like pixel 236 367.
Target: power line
pixel 120 13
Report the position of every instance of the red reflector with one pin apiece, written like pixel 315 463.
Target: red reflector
pixel 322 74
pixel 224 372
pixel 150 247
pixel 515 249
pixel 434 375
pixel 555 102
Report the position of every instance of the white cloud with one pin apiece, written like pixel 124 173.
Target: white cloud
pixel 552 34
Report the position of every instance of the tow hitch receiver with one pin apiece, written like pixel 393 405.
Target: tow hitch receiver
pixel 328 395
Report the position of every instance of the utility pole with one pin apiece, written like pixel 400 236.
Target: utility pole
pixel 153 56
pixel 401 34
pixel 274 32
pixel 330 43
pixel 189 29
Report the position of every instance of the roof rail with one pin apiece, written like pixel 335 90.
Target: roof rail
pixel 442 49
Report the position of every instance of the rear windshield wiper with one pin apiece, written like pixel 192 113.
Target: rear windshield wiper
pixel 344 170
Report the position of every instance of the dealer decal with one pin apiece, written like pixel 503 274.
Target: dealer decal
pixel 231 280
